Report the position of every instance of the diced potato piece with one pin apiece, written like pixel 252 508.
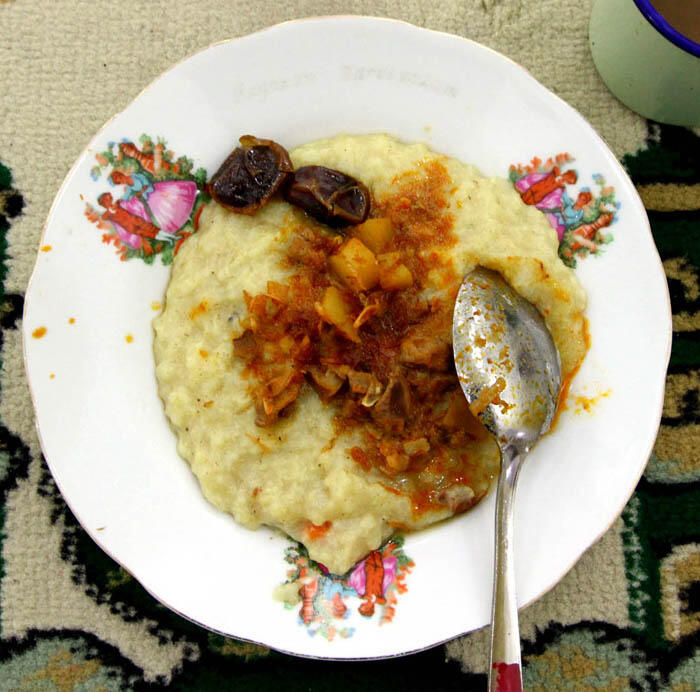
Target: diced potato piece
pixel 394 458
pixel 418 446
pixel 355 265
pixel 393 274
pixel 376 234
pixel 337 310
pixel 397 462
pixel 286 344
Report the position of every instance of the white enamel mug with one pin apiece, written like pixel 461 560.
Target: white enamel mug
pixel 649 65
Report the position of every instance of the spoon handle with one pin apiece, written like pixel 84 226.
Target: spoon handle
pixel 504 669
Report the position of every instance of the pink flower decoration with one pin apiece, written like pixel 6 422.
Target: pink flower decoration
pixel 552 202
pixel 170 203
pixel 389 572
pixel 357 579
pixel 136 207
pixel 529 180
pixel 130 239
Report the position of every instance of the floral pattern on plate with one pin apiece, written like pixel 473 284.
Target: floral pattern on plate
pixel 159 204
pixel 328 601
pixel 579 222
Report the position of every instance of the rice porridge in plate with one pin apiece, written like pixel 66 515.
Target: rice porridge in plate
pixel 307 370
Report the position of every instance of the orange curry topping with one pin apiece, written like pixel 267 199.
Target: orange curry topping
pixel 366 320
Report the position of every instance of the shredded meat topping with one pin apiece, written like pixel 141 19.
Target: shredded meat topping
pixel 393 409
pixel 365 322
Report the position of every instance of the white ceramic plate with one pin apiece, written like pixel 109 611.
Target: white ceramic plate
pixel 101 422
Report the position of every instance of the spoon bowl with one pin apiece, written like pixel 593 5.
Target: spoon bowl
pixel 510 373
pixel 502 346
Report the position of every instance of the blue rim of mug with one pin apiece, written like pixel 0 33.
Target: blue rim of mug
pixel 653 16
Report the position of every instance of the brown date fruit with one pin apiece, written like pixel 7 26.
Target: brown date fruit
pixel 250 175
pixel 330 196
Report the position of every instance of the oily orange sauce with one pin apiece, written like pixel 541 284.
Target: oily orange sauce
pixel 569 377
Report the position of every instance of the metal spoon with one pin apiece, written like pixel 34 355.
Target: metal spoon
pixel 510 372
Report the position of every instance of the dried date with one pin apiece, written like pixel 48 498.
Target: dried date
pixel 250 175
pixel 330 196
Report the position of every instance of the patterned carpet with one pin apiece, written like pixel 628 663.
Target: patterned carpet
pixel 72 619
